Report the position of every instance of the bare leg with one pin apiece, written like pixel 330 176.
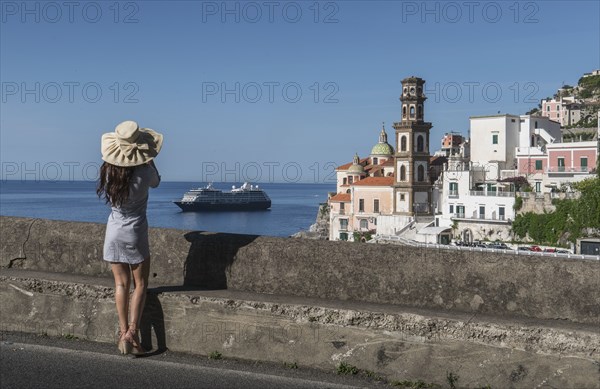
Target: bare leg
pixel 122 275
pixel 140 282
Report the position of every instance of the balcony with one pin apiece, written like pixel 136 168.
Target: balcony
pixel 491 193
pixel 566 169
pixel 508 174
pixel 475 216
pixel 453 194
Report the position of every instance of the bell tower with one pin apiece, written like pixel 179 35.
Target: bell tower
pixel 412 187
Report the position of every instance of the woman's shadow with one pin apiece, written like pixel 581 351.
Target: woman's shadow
pixel 209 257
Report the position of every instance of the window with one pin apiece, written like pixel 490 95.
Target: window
pixel 538 164
pixel 412 111
pixel 345 181
pixel 343 236
pixel 451 209
pixel 420 173
pixel 548 109
pixel 364 224
pixel 404 111
pixel 495 139
pixel 342 207
pixel 376 205
pixel 402 197
pixel 482 211
pixel 561 164
pixel 536 126
pixel 453 189
pixel 361 205
pixel 403 143
pixel 402 173
pixel 343 224
pixel 420 144
pixel 420 111
pixel 501 213
pixel 460 211
pixel 584 164
pixel 374 161
pixel 350 179
pixel 538 187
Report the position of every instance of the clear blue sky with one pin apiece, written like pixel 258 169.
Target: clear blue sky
pixel 170 64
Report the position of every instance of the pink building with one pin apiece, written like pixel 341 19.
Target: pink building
pixel 557 164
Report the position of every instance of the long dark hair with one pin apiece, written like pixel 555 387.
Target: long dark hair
pixel 113 183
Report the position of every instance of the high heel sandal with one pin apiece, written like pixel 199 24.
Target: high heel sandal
pixel 123 345
pixel 132 338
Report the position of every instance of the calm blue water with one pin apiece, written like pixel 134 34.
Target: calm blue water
pixel 294 206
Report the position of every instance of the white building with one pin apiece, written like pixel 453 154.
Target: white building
pixel 497 138
pixel 477 207
pixel 470 198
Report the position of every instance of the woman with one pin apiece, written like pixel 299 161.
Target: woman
pixel 126 175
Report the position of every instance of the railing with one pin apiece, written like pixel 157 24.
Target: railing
pixel 491 193
pixel 479 216
pixel 508 173
pixel 565 169
pixel 507 251
pixel 453 193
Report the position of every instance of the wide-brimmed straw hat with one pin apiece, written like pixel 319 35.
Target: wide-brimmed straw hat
pixel 130 145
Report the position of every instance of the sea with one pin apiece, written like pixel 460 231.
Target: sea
pixel 294 206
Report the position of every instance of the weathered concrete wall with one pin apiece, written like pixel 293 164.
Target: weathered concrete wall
pixel 396 343
pixel 456 281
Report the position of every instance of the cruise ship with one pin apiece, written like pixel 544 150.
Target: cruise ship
pixel 245 198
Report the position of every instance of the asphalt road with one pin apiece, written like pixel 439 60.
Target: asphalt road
pixel 27 361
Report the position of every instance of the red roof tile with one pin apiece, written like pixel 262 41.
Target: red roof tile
pixel 347 165
pixel 344 166
pixel 341 197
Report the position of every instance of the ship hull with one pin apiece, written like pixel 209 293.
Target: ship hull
pixel 202 207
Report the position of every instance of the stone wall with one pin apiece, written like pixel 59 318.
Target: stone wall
pixel 455 281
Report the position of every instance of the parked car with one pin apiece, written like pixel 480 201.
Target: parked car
pixel 535 248
pixel 500 246
pixel 563 252
pixel 550 250
pixel 524 248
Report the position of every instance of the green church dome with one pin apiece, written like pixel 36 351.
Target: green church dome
pixel 382 149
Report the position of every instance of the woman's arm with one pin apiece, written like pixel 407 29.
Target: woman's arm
pixel 154 177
